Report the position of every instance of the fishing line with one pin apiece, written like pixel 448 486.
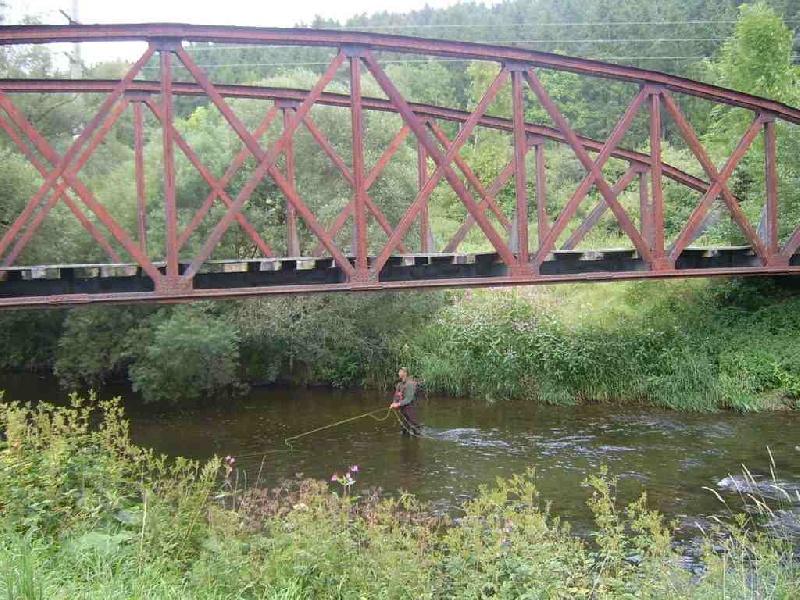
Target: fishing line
pixel 401 419
pixel 343 421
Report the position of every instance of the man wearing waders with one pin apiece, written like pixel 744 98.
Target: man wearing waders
pixel 404 395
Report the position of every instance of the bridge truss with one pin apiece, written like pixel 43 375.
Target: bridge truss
pixel 525 247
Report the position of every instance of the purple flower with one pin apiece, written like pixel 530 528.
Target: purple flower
pixel 354 469
pixel 335 477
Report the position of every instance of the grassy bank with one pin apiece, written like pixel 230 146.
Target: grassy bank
pixel 85 514
pixel 688 345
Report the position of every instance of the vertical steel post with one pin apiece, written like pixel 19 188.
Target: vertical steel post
pixel 141 197
pixel 770 164
pixel 645 210
pixel 541 192
pixel 170 207
pixel 520 170
pixel 657 222
pixel 292 240
pixel 424 217
pixel 359 190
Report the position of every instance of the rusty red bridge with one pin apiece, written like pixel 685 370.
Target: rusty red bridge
pixel 526 246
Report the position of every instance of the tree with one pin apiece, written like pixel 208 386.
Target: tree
pixel 757 59
pixel 191 355
pixel 98 344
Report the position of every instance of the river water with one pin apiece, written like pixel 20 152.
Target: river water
pixel 468 443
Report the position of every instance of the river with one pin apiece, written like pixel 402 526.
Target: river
pixel 468 443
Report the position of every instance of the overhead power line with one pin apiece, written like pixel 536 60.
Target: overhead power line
pixel 547 24
pixel 639 40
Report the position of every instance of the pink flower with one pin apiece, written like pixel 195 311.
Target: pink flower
pixel 335 477
pixel 354 469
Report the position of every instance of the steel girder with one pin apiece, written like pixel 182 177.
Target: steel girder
pixel 522 262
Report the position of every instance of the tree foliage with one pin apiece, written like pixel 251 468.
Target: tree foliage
pixel 353 340
pixel 192 355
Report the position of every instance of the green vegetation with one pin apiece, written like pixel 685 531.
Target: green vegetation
pixel 695 345
pixel 685 345
pixel 86 514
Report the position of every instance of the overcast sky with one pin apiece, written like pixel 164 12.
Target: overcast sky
pixel 257 13
pixel 260 13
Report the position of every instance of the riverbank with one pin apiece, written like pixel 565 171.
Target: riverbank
pixel 697 345
pixel 686 345
pixel 88 514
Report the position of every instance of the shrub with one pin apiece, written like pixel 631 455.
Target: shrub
pixel 192 355
pixel 86 514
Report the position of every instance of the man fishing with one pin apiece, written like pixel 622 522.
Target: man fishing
pixel 404 396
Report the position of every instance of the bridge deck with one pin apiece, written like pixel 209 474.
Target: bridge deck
pixel 295 274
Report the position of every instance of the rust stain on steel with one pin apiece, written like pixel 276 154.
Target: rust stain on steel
pixel 442 160
pixel 215 184
pixel 141 192
pixel 599 210
pixel 595 175
pixel 520 169
pixel 229 174
pixel 419 120
pixel 39 166
pixel 168 162
pixel 657 242
pixel 330 99
pixel 339 163
pixel 207 294
pixel 719 179
pixel 46 34
pixel 292 238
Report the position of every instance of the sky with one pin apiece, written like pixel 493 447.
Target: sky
pixel 256 13
pixel 213 12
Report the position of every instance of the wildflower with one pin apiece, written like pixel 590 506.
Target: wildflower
pixel 354 469
pixel 335 477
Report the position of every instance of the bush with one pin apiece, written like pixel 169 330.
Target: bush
pixel 97 344
pixel 691 346
pixel 86 514
pixel 191 355
pixel 29 338
pixel 344 340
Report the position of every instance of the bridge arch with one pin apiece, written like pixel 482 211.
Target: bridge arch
pixel 519 260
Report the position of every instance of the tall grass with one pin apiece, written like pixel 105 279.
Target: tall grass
pixel 86 514
pixel 685 345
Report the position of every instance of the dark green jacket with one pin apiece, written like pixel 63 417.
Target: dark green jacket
pixel 408 390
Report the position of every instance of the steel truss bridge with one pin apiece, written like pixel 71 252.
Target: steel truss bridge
pixel 519 254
